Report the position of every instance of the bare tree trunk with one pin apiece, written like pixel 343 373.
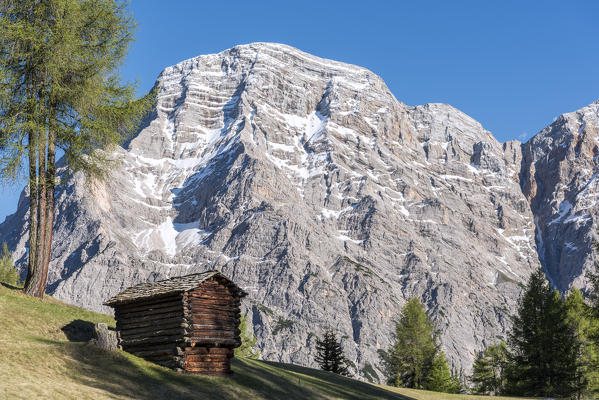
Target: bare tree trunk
pixel 32 275
pixel 41 225
pixel 49 209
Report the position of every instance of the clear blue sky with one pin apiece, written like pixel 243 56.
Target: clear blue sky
pixel 511 65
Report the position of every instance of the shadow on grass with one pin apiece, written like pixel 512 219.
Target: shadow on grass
pixel 78 330
pixel 124 375
pixel 12 287
pixel 284 381
pixel 120 375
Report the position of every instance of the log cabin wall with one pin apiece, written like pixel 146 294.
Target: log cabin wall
pixel 189 323
pixel 154 329
pixel 214 321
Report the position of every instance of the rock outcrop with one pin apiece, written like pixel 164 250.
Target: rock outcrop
pixel 324 197
pixel 559 180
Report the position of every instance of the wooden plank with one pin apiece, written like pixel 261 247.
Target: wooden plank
pixel 153 340
pixel 126 335
pixel 210 291
pixel 215 322
pixel 228 313
pixel 156 346
pixel 213 326
pixel 215 308
pixel 141 307
pixel 212 296
pixel 165 310
pixel 199 316
pixel 207 359
pixel 207 365
pixel 149 321
pixel 216 303
pixel 124 321
pixel 153 327
pixel 211 339
pixel 213 332
pixel 147 300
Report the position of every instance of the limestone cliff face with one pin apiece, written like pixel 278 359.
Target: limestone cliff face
pixel 559 179
pixel 313 188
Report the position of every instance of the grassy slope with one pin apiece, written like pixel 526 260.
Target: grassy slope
pixel 38 361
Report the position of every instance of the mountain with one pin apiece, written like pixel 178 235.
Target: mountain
pixel 558 179
pixel 328 200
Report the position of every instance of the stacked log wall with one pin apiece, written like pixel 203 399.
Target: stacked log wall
pixel 155 329
pixel 215 314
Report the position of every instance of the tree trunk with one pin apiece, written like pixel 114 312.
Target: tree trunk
pixel 32 280
pixel 49 211
pixel 32 275
pixel 41 224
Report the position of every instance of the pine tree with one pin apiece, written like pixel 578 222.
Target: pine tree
pixel 440 378
pixel 248 341
pixel 329 354
pixel 579 316
pixel 488 374
pixel 543 345
pixel 58 89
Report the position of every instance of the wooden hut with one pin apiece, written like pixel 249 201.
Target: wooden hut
pixel 189 323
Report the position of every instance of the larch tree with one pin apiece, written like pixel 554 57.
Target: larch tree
pixel 415 359
pixel 59 89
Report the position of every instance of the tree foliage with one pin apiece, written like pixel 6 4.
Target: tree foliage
pixel 440 378
pixel 544 347
pixel 248 341
pixel 8 272
pixel 579 316
pixel 488 371
pixel 59 89
pixel 415 359
pixel 329 354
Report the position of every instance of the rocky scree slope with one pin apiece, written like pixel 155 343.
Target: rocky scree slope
pixel 311 186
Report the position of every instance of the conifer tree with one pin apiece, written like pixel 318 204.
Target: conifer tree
pixel 440 378
pixel 488 374
pixel 329 354
pixel 58 90
pixel 594 292
pixel 414 349
pixel 415 359
pixel 580 317
pixel 544 348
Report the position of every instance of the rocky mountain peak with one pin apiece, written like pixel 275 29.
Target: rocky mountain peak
pixel 559 171
pixel 330 202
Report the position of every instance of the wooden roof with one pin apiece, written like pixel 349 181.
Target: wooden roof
pixel 170 286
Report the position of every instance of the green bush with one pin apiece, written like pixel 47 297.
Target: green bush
pixel 8 272
pixel 248 341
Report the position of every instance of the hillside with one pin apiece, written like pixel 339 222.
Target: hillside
pixel 38 361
